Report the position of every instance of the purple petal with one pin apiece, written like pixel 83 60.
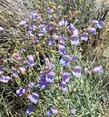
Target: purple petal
pixel 34 97
pixel 21 91
pixel 30 109
pixel 5 79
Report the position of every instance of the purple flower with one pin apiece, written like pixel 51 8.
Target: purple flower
pixel 75 59
pixel 77 71
pixel 31 62
pixel 98 24
pixel 75 32
pixel 21 91
pixel 30 33
pixel 63 87
pixel 4 79
pixel 42 83
pixel 71 27
pixel 98 69
pixel 62 49
pixel 43 30
pixel 35 16
pixel 51 42
pixel 50 77
pixel 34 97
pixel 84 37
pixel 65 60
pixel 52 111
pixel 75 40
pixel 66 77
pixel 31 85
pixel 1 29
pixel 30 109
pixel 23 23
pixel 92 30
pixel 32 28
pixel 63 23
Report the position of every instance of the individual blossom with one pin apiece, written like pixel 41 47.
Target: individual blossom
pixel 35 16
pixel 5 79
pixel 66 77
pixel 98 24
pixel 50 77
pixel 71 27
pixel 43 30
pixel 65 60
pixel 75 40
pixel 32 28
pixel 75 59
pixel 30 61
pixel 51 42
pixel 1 29
pixel 92 30
pixel 98 69
pixel 63 23
pixel 34 97
pixel 31 108
pixel 84 37
pixel 42 81
pixel 63 87
pixel 52 111
pixel 30 33
pixel 77 71
pixel 75 32
pixel 23 23
pixel 21 91
pixel 31 85
pixel 62 49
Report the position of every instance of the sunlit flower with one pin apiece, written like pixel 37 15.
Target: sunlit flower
pixel 52 111
pixel 84 37
pixel 21 91
pixel 98 69
pixel 42 82
pixel 30 109
pixel 1 29
pixel 50 77
pixel 34 97
pixel 23 23
pixel 4 79
pixel 43 30
pixel 66 77
pixel 71 27
pixel 63 23
pixel 62 49
pixel 31 85
pixel 77 71
pixel 63 87
pixel 98 24
pixel 65 60
pixel 31 61
pixel 35 16
pixel 75 40
pixel 92 30
pixel 75 32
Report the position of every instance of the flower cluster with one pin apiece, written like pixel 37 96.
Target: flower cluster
pixel 57 40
